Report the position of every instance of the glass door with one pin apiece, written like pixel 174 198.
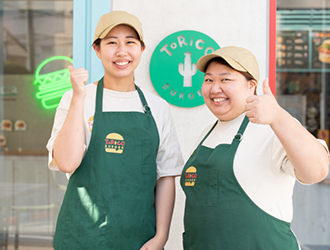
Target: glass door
pixel 36 48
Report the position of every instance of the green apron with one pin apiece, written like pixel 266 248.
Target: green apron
pixel 110 199
pixel 218 213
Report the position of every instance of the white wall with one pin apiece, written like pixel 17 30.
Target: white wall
pixel 237 22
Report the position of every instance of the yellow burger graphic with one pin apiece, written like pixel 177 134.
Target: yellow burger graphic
pixel 190 176
pixel 324 51
pixel 6 125
pixel 114 143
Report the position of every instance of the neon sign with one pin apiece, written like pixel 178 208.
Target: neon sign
pixel 52 85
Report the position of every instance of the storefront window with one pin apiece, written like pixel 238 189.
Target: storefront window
pixel 35 50
pixel 303 59
pixel 302 88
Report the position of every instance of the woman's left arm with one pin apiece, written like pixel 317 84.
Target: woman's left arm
pixel 164 204
pixel 308 156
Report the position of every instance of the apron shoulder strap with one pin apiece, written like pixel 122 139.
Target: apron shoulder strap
pixel 99 96
pixel 146 107
pixel 208 133
pixel 239 136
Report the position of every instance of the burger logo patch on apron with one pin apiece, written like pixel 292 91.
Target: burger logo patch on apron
pixel 190 176
pixel 90 123
pixel 114 143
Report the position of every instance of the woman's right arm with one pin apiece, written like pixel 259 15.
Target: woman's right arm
pixel 68 147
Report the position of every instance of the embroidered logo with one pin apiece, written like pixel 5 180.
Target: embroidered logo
pixel 190 176
pixel 90 123
pixel 114 143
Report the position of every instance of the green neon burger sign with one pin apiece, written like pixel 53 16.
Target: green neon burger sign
pixel 52 86
pixel 173 70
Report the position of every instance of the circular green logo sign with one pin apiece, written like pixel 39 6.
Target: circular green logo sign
pixel 173 69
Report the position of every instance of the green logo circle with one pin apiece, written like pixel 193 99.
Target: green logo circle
pixel 173 69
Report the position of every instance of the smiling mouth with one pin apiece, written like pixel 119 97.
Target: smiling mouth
pixel 122 63
pixel 219 99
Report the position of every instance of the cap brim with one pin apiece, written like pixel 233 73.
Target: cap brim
pixel 203 61
pixel 107 30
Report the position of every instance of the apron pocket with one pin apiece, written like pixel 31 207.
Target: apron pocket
pixel 85 225
pixel 148 163
pixel 212 195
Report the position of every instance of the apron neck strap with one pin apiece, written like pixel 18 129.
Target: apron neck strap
pixel 239 136
pixel 146 108
pixel 208 133
pixel 99 98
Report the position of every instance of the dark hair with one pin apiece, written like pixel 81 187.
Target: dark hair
pixel 222 61
pixel 97 42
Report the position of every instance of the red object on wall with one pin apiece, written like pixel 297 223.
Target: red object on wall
pixel 272 46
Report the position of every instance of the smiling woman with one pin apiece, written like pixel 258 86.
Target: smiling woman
pixel 225 89
pixel 120 52
pixel 107 139
pixel 247 163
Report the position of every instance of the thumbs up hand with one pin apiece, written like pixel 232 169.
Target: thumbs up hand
pixel 263 109
pixel 78 78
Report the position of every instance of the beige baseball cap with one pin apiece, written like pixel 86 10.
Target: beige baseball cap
pixel 114 18
pixel 239 58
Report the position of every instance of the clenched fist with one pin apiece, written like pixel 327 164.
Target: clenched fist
pixel 78 78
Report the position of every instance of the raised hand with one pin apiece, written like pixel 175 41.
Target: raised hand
pixel 78 78
pixel 263 109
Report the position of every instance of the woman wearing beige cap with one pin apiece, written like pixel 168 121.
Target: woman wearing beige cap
pixel 246 165
pixel 119 145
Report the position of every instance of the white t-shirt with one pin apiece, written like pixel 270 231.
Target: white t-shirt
pixel 261 165
pixel 169 158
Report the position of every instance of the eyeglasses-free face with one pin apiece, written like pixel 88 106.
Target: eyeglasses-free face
pixel 225 91
pixel 120 52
